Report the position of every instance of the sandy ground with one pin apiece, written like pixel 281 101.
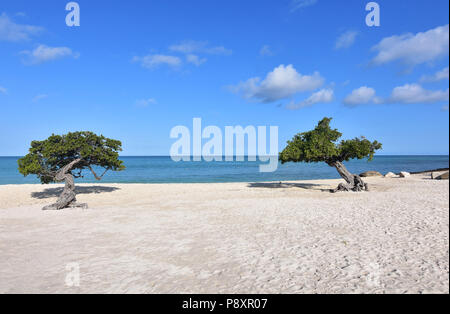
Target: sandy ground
pixel 228 238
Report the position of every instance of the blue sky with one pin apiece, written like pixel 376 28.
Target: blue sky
pixel 135 69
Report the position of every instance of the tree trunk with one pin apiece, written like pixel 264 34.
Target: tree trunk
pixel 354 182
pixel 68 196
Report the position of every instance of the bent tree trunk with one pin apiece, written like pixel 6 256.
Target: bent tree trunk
pixel 354 182
pixel 68 196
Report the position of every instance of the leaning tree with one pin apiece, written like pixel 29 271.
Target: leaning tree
pixel 64 157
pixel 321 145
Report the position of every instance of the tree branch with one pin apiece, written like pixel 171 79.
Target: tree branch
pixel 95 175
pixel 61 172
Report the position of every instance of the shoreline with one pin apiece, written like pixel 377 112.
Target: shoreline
pixel 216 182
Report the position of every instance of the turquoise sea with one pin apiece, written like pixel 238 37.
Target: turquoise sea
pixel 164 170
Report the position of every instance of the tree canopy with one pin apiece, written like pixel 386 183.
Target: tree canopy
pixel 86 149
pixel 321 145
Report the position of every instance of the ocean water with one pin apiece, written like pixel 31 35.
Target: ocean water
pixel 164 170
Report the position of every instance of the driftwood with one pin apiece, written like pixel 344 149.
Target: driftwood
pixel 68 196
pixel 354 182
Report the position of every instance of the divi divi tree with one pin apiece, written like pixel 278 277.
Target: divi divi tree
pixel 62 158
pixel 321 145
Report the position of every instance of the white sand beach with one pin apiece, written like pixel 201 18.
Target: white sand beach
pixel 229 238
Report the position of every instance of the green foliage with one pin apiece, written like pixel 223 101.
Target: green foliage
pixel 321 145
pixel 46 157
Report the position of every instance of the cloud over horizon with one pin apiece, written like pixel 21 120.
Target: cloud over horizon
pixel 413 49
pixel 191 53
pixel 44 53
pixel 436 77
pixel 146 102
pixel 11 31
pixel 266 51
pixel 192 47
pixel 416 94
pixel 283 82
pixel 300 4
pixel 360 96
pixel 156 60
pixel 405 94
pixel 194 59
pixel 39 97
pixel 323 96
pixel 346 39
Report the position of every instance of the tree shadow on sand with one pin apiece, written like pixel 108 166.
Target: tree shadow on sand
pixel 286 185
pixel 55 192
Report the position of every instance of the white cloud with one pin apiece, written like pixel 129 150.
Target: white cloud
pixel 153 61
pixel 191 46
pixel 40 97
pixel 346 39
pixel 300 4
pixel 436 77
pixel 146 102
pixel 10 31
pixel 360 96
pixel 282 82
pixel 406 94
pixel 194 59
pixel 44 53
pixel 191 49
pixel 3 90
pixel 188 46
pixel 413 49
pixel 266 51
pixel 416 94
pixel 219 50
pixel 444 108
pixel 321 97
